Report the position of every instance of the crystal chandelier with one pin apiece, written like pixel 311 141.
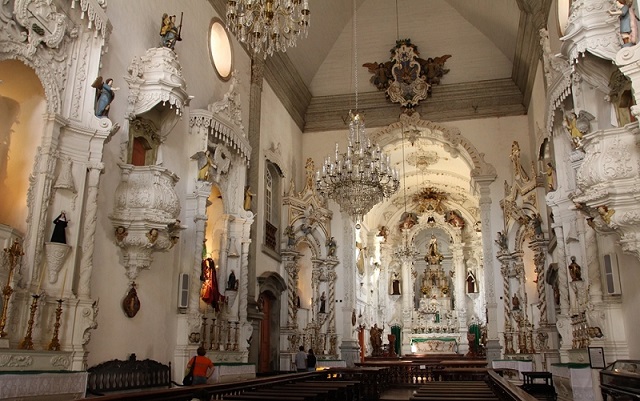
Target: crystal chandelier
pixel 267 26
pixel 362 176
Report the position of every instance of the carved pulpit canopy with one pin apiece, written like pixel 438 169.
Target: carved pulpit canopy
pixel 407 78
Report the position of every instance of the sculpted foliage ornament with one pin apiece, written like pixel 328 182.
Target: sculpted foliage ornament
pixel 407 78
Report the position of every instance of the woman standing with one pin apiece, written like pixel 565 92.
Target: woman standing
pixel 311 361
pixel 203 368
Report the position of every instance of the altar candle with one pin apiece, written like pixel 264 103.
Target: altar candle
pixel 64 281
pixel 41 278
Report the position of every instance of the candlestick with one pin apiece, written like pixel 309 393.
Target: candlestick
pixel 41 277
pixel 54 345
pixel 64 281
pixel 27 342
pixel 14 253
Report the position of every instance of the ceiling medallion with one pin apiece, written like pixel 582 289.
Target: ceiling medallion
pixel 407 78
pixel 423 159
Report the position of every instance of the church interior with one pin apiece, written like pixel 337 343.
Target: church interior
pixel 374 180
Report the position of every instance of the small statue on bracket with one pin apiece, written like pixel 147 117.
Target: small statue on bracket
pixel 169 32
pixel 331 247
pixel 575 271
pixel 60 224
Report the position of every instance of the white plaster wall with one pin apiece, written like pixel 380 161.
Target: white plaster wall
pixel 136 26
pixel 629 268
pixel 277 131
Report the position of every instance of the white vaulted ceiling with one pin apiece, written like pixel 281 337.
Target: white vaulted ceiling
pixel 479 34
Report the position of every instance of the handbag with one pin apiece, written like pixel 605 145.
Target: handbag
pixel 188 379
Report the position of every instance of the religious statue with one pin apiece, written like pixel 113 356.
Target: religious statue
pixel 232 282
pixel 408 220
pixel 605 213
pixel 578 125
pixel 383 231
pixel 395 284
pixel 60 224
pixel 152 235
pixel 205 165
pixel 453 217
pixel 360 260
pixel 628 22
pixel 550 177
pixel 248 195
pixel 323 303
pixel 375 335
pixel 471 282
pixel 536 225
pixel 434 257
pixel 575 271
pixel 291 236
pixel 120 233
pixel 169 32
pixel 104 96
pixel 502 242
pixel 515 302
pixel 331 247
pixel 392 345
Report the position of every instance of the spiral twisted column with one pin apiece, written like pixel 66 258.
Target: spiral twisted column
pixel 539 258
pixel 292 269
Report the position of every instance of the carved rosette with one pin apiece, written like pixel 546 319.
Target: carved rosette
pixel 609 176
pixel 147 206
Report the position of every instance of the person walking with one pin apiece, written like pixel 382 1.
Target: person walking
pixel 301 360
pixel 311 361
pixel 203 368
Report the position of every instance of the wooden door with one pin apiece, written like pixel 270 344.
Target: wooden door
pixel 264 359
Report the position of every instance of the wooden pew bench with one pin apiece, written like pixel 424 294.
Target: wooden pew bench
pixel 129 375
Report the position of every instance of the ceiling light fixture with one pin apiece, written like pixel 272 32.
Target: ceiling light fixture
pixel 362 177
pixel 268 26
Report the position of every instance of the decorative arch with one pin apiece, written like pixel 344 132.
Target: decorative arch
pixel 455 143
pixel 49 77
pixel 272 282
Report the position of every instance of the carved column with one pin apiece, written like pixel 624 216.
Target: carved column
pixel 198 204
pixel 493 344
pixel 349 348
pixel 459 282
pixel 332 277
pixel 290 262
pixel 246 327
pixel 86 264
pixel 539 248
pixel 253 172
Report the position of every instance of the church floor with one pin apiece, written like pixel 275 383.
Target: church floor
pixel 397 394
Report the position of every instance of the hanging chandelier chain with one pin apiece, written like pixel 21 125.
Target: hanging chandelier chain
pixel 355 50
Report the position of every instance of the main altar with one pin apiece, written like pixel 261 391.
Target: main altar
pixel 433 268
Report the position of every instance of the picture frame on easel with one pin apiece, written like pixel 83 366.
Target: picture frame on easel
pixel 596 358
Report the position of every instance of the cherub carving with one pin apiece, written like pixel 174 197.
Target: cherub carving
pixel 381 74
pixel 433 68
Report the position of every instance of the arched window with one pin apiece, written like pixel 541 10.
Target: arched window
pixel 272 182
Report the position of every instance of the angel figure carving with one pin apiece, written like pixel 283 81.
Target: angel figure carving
pixel 381 74
pixel 205 165
pixel 433 68
pixel 578 125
